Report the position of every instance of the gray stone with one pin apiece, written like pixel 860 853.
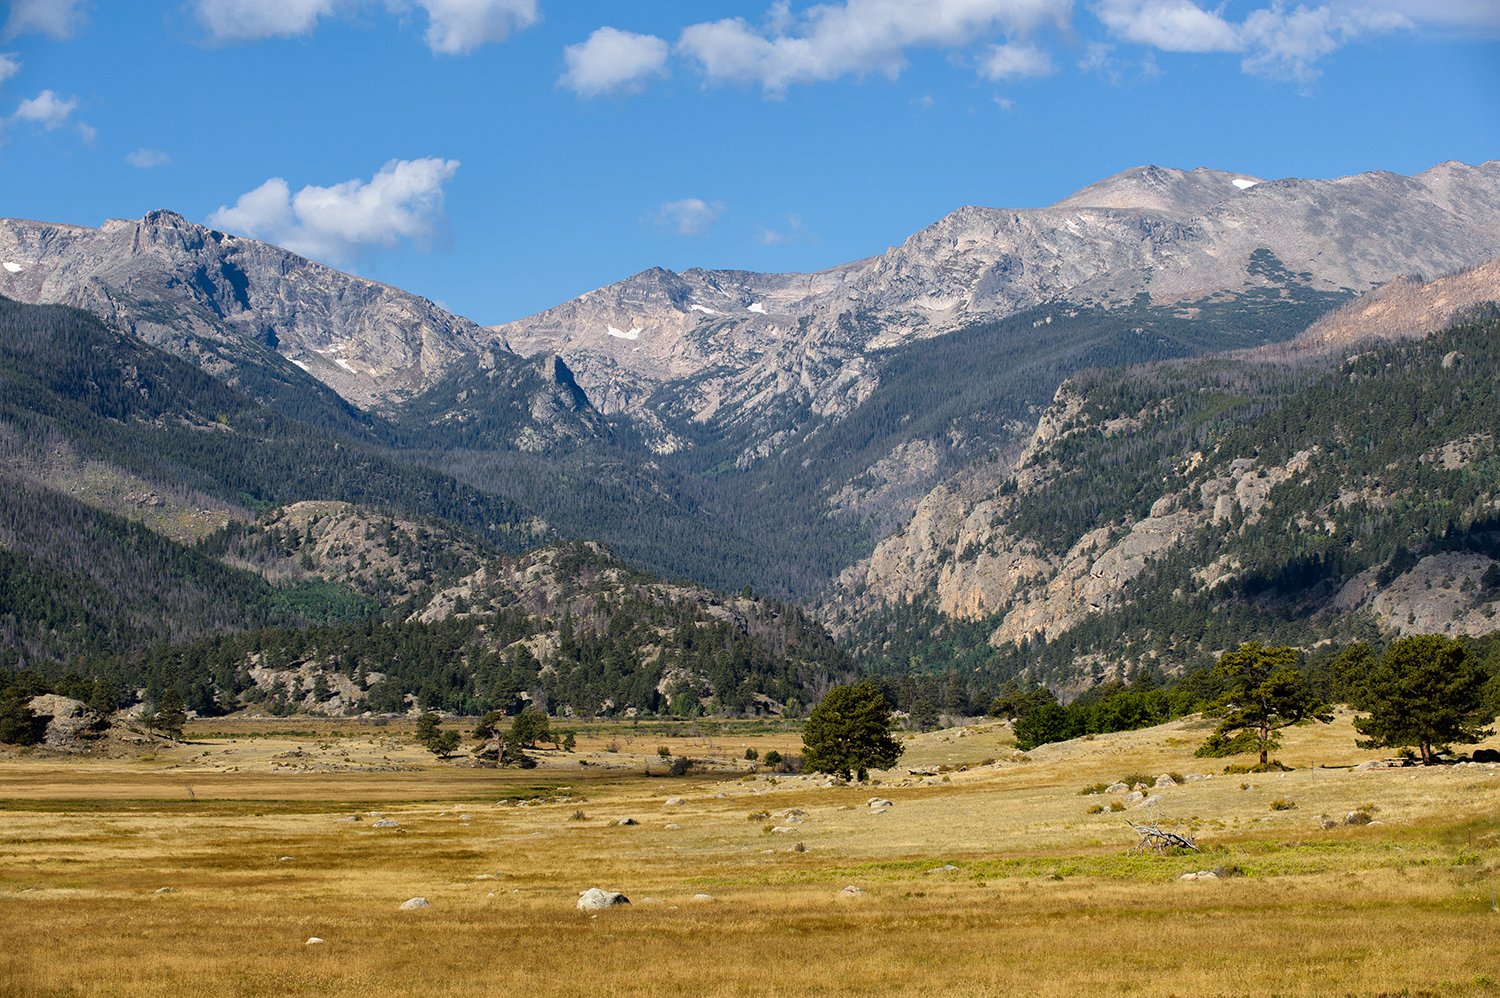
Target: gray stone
pixel 414 903
pixel 1357 818
pixel 783 829
pixel 703 897
pixel 1117 788
pixel 314 941
pixel 674 801
pixel 880 802
pixel 595 899
pixel 1151 801
pixel 1134 796
pixel 672 827
pixel 627 821
pixel 165 890
pixel 851 892
pixel 1164 782
pixel 387 823
pixel 66 719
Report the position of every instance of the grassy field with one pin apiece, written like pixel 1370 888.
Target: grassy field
pixel 205 868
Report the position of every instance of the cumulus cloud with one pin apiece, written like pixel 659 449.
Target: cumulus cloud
pixel 249 20
pixel 348 221
pixel 458 27
pixel 145 159
pixel 688 217
pixel 9 66
pixel 613 61
pixel 1015 61
pixel 454 27
pixel 857 37
pixel 1170 25
pixel 1284 45
pixel 58 19
pixel 1277 43
pixel 46 109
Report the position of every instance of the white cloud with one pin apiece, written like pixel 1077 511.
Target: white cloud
pixel 145 159
pixel 1450 13
pixel 458 27
pixel 689 217
pixel 1284 46
pixel 1278 44
pixel 1004 103
pixel 59 19
pixel 1016 60
pixel 9 66
pixel 342 223
pixel 856 37
pixel 87 132
pixel 613 61
pixel 1170 25
pixel 455 27
pixel 46 109
pixel 248 20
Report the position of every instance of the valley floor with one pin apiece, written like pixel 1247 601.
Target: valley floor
pixel 189 873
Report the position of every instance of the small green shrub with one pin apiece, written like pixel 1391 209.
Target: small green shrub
pixel 1282 804
pixel 1096 809
pixel 1097 788
pixel 1117 805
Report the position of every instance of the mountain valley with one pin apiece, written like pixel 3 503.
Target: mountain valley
pixel 1171 412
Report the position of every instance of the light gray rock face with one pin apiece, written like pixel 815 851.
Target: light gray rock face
pixel 1175 235
pixel 215 299
pixel 414 904
pixel 66 719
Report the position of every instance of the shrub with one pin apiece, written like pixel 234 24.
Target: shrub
pixel 664 752
pixel 1097 788
pixel 773 758
pixel 1282 804
pixel 578 815
pixel 680 766
pixel 1096 809
pixel 1117 805
pixel 751 754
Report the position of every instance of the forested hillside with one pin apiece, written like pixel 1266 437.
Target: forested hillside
pixel 1169 512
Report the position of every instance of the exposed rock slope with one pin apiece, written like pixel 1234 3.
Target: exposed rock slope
pixel 214 298
pixel 1177 236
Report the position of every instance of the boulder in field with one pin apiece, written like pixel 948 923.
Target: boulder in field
pixel 595 899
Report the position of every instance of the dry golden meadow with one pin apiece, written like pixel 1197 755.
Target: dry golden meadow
pixel 993 881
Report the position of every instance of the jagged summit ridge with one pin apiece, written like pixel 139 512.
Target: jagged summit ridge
pixel 163 276
pixel 1173 235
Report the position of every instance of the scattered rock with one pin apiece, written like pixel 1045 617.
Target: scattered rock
pixel 703 897
pixel 783 829
pixel 1357 818
pixel 387 823
pixel 651 901
pixel 1134 796
pixel 851 892
pixel 1117 788
pixel 792 812
pixel 627 821
pixel 1200 875
pixel 165 890
pixel 880 802
pixel 595 899
pixel 672 827
pixel 948 868
pixel 351 817
pixel 1151 801
pixel 66 720
pixel 314 941
pixel 674 801
pixel 414 904
pixel 1164 782
pixel 284 859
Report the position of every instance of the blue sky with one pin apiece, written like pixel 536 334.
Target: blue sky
pixel 501 156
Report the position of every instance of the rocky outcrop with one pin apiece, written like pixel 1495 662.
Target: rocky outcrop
pixel 730 339
pixel 220 300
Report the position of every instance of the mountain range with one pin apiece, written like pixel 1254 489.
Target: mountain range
pixel 994 442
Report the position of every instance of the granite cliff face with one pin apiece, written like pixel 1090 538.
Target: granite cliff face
pixel 727 339
pixel 1220 505
pixel 224 302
